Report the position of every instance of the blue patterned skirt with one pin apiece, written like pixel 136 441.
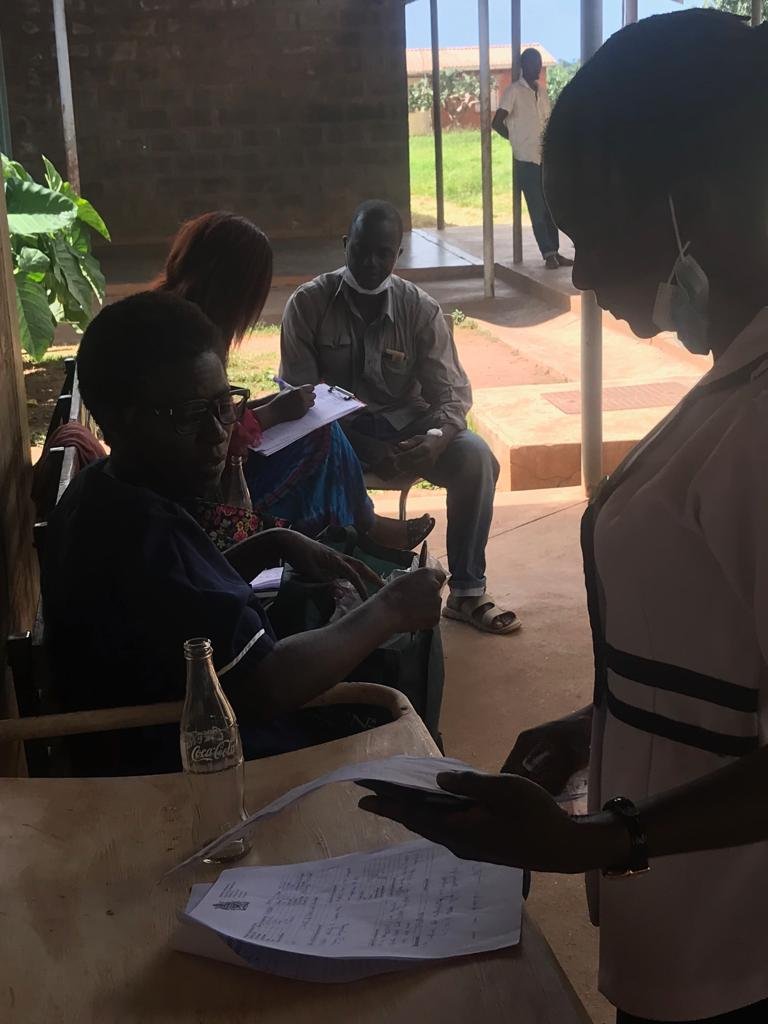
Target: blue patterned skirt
pixel 315 482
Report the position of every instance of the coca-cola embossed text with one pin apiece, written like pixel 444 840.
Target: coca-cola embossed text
pixel 212 752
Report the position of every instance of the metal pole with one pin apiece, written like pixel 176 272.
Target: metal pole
pixel 591 314
pixel 517 206
pixel 65 92
pixel 757 12
pixel 485 146
pixel 437 117
pixel 630 12
pixel 5 121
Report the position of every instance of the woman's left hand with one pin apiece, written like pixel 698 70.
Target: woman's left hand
pixel 318 562
pixel 513 822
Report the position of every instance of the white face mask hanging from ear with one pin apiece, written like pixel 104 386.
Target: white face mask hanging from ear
pixel 351 280
pixel 683 307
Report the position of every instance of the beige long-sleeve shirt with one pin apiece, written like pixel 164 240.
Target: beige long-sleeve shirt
pixel 528 111
pixel 404 365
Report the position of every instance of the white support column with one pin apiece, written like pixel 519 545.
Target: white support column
pixel 630 12
pixel 437 111
pixel 517 206
pixel 485 146
pixel 591 314
pixel 65 92
pixel 757 12
pixel 5 121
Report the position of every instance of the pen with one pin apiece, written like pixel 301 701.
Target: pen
pixel 282 384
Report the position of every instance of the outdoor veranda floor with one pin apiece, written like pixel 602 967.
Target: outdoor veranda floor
pixel 497 686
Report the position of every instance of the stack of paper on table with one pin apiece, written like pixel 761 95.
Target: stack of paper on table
pixel 354 916
pixel 330 405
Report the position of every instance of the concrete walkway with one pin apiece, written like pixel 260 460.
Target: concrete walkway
pixel 426 256
pixel 535 429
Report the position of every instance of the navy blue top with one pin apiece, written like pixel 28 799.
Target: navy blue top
pixel 128 576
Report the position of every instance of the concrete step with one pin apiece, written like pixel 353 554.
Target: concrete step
pixel 538 444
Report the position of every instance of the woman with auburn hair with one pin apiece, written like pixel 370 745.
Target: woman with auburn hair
pixel 223 263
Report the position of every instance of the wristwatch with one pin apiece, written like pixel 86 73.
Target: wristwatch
pixel 625 811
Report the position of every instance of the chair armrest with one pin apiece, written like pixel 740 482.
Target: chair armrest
pixel 74 723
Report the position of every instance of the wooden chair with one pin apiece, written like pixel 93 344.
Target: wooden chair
pixel 26 651
pixel 44 728
pixel 62 409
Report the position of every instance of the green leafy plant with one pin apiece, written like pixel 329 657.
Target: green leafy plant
pixel 559 75
pixel 57 277
pixel 459 91
pixel 460 319
pixel 742 7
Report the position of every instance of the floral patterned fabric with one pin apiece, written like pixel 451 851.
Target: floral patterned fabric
pixel 227 525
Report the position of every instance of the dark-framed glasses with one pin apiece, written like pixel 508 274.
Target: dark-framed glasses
pixel 188 417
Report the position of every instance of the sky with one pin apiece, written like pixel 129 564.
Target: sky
pixel 553 23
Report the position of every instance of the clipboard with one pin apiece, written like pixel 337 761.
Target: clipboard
pixel 331 403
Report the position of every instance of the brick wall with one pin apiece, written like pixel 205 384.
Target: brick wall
pixel 288 111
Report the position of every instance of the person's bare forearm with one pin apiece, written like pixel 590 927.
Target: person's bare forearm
pixel 251 556
pixel 301 667
pixel 726 808
pixel 500 124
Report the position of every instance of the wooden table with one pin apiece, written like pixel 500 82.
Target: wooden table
pixel 85 923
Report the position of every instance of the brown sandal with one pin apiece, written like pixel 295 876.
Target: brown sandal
pixel 481 612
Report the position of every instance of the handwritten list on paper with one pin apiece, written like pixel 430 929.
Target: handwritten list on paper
pixel 413 902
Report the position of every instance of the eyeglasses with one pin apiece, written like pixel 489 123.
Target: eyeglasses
pixel 188 417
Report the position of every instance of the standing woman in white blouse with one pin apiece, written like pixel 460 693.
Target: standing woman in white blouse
pixel 656 164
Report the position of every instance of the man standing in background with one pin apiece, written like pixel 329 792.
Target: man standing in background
pixel 522 117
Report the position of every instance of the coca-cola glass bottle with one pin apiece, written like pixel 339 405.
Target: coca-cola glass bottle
pixel 234 489
pixel 211 753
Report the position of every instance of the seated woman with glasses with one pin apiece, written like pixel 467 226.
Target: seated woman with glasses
pixel 129 575
pixel 223 263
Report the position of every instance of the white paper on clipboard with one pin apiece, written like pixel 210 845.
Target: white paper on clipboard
pixel 331 404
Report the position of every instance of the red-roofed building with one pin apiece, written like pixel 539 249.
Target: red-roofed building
pixel 467 59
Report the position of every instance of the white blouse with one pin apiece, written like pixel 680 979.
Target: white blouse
pixel 681 553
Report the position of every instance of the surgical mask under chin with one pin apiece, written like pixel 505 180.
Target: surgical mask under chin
pixel 683 307
pixel 349 277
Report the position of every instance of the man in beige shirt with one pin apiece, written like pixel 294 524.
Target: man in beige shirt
pixel 364 329
pixel 522 117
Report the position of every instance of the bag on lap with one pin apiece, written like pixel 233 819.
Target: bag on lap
pixel 409 662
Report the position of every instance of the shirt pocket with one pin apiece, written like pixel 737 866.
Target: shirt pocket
pixel 397 364
pixel 335 339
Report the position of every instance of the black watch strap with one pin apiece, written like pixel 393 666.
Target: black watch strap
pixel 623 809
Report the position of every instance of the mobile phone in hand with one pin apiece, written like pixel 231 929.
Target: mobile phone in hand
pixel 422 797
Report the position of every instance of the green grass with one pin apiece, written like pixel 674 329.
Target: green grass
pixel 253 371
pixel 254 366
pixel 262 328
pixel 462 175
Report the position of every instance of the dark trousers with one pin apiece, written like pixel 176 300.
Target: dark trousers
pixel 757 1013
pixel 469 471
pixel 529 176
